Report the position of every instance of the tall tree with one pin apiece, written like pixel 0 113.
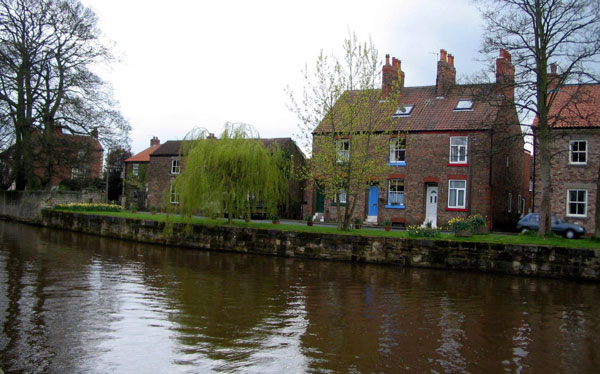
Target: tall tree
pixel 539 33
pixel 340 113
pixel 47 50
pixel 235 174
pixel 114 167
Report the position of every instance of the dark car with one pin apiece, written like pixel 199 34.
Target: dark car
pixel 532 222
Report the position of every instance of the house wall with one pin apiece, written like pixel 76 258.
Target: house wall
pixel 427 161
pixel 159 179
pixel 135 186
pixel 507 171
pixel 565 176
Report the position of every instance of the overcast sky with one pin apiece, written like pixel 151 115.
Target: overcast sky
pixel 185 64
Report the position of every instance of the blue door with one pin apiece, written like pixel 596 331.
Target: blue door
pixel 373 200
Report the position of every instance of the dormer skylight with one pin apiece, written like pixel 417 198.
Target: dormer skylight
pixel 464 105
pixel 404 111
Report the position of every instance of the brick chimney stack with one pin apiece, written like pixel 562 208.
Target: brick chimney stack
pixel 505 75
pixel 392 76
pixel 553 77
pixel 446 73
pixel 154 141
pixel 94 133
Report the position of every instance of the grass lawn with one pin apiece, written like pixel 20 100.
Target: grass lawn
pixel 555 241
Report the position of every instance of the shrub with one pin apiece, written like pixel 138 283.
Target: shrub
pixel 356 221
pixel 308 218
pixel 423 232
pixel 89 207
pixel 459 224
pixel 476 220
pixel 387 223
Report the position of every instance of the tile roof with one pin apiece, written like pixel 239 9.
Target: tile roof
pixel 575 106
pixel 171 147
pixel 143 156
pixel 431 113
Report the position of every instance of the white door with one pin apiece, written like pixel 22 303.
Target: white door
pixel 431 206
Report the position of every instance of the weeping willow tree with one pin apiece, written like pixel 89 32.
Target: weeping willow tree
pixel 235 175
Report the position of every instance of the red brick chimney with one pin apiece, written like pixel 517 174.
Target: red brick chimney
pixel 392 76
pixel 94 133
pixel 154 141
pixel 446 73
pixel 553 77
pixel 505 75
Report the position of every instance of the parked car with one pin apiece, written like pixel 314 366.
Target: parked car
pixel 532 222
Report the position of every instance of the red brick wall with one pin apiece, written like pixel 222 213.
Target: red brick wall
pixel 565 176
pixel 159 179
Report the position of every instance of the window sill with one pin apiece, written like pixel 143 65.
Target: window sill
pixel 577 217
pixel 395 206
pixel 397 163
pixel 457 164
pixel 456 209
pixel 577 163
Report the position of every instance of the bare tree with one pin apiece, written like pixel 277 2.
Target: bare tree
pixel 539 33
pixel 340 112
pixel 47 50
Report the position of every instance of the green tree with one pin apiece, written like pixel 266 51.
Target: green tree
pixel 341 113
pixel 235 174
pixel 539 33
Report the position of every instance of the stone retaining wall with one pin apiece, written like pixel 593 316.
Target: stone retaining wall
pixel 27 206
pixel 540 261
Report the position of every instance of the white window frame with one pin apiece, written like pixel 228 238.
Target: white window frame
pixel 397 148
pixel 342 147
pixel 175 167
pixel 404 110
pixel 584 202
pixel 343 194
pixel 454 204
pixel 519 207
pixel 464 105
pixel 457 148
pixel 135 169
pixel 174 195
pixel 399 200
pixel 578 152
pixel 509 202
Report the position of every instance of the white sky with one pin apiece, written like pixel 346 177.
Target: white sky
pixel 201 63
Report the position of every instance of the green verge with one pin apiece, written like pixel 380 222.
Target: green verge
pixel 554 241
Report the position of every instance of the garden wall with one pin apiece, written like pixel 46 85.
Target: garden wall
pixel 541 261
pixel 27 206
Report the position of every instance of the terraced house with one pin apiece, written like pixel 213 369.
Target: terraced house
pixel 574 121
pixel 454 150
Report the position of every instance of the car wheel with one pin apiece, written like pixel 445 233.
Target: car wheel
pixel 524 230
pixel 569 234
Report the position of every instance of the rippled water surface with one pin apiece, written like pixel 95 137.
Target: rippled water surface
pixel 72 303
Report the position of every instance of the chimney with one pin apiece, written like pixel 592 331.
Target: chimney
pixel 211 136
pixel 392 76
pixel 505 75
pixel 94 132
pixel 154 141
pixel 553 77
pixel 446 73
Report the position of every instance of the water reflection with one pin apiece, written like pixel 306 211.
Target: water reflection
pixel 77 303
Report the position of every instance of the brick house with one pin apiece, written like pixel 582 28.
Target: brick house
pixel 136 170
pixel 76 158
pixel 574 121
pixel 455 150
pixel 165 164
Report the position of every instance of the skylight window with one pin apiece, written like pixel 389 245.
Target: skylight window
pixel 464 105
pixel 404 111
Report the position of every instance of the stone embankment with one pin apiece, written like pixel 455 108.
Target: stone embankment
pixel 542 261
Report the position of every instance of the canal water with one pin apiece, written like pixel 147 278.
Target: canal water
pixel 74 303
